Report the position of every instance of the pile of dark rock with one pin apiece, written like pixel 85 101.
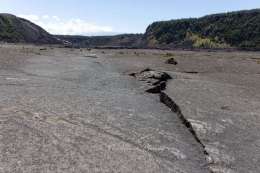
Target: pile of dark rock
pixel 171 61
pixel 155 78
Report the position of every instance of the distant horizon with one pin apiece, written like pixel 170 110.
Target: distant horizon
pixel 100 18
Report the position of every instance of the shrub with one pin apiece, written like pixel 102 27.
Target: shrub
pixel 200 42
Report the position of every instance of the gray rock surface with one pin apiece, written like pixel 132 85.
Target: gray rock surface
pixel 216 95
pixel 224 117
pixel 63 112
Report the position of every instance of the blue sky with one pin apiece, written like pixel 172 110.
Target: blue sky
pixel 102 17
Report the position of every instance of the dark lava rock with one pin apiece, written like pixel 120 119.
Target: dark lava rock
pixel 171 61
pixel 156 78
pixel 158 88
pixel 152 74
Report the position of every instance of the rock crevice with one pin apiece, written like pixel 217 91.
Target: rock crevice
pixel 159 83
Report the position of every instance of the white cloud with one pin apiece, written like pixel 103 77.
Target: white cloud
pixel 30 17
pixel 56 25
pixel 45 17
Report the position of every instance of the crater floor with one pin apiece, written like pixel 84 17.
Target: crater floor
pixel 75 110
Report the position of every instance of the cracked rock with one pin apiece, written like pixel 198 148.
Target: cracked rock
pixel 152 76
pixel 158 88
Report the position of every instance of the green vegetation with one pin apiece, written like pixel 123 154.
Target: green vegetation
pixel 199 42
pixel 236 29
pixel 228 30
pixel 7 30
pixel 15 29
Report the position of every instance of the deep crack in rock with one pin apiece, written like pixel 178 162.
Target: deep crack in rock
pixel 160 83
pixel 165 99
pixel 158 88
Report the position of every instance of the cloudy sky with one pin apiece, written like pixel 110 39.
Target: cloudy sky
pixel 106 17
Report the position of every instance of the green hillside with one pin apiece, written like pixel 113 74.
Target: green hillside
pixel 15 29
pixel 236 29
pixel 239 29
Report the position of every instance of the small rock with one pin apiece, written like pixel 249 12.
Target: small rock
pixel 171 61
pixel 225 108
